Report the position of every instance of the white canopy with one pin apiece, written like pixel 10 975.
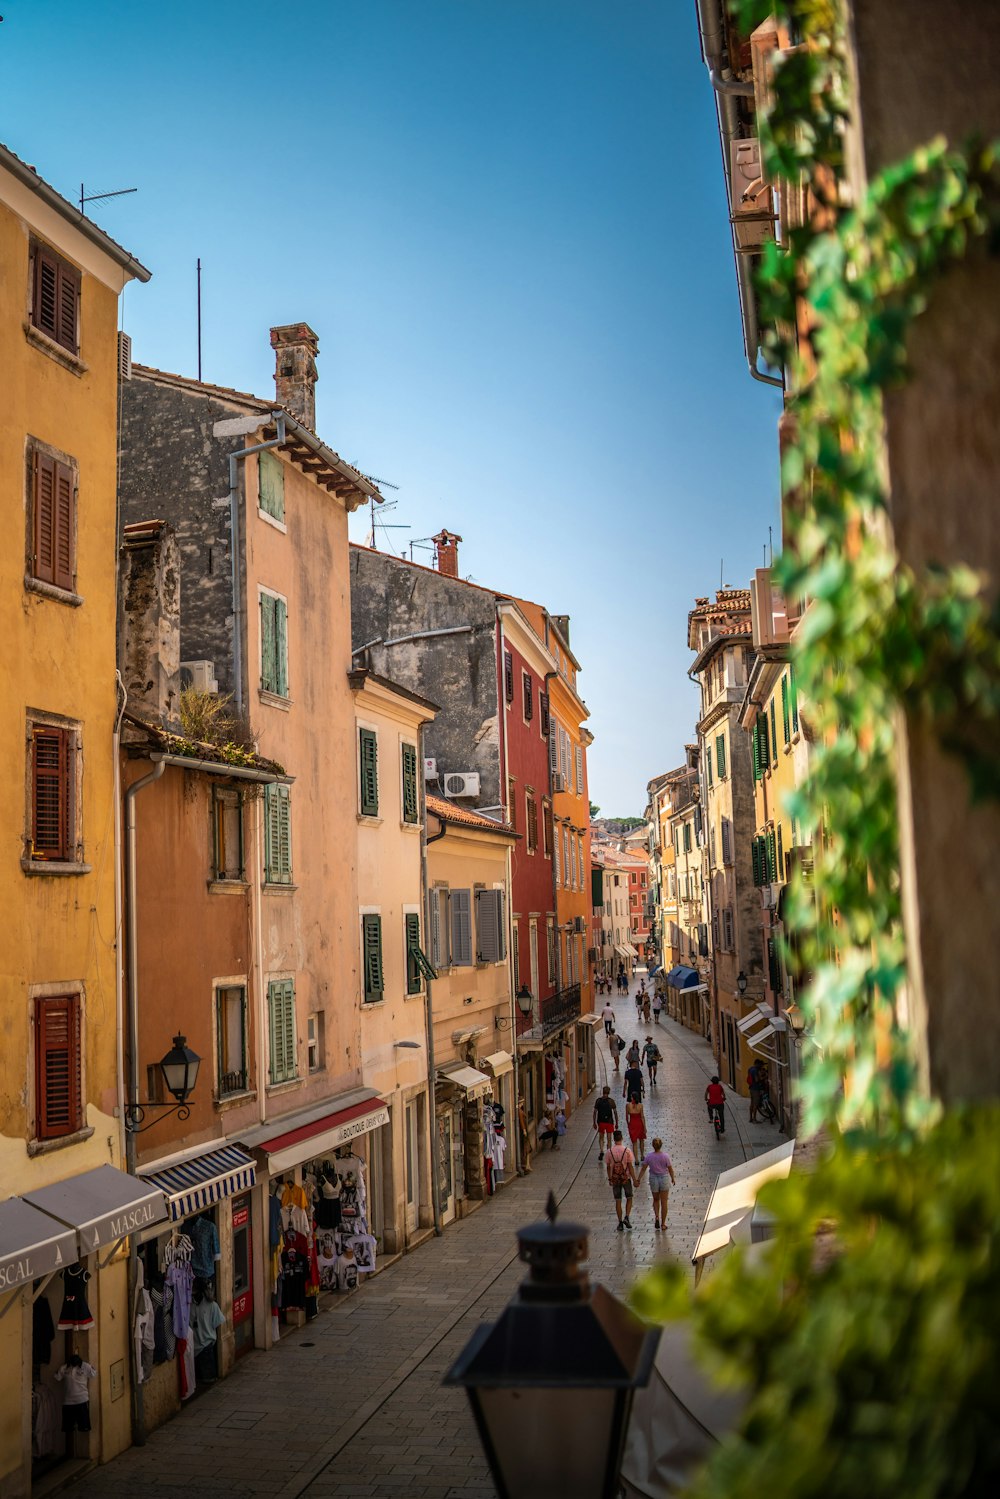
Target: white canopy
pixel 735 1194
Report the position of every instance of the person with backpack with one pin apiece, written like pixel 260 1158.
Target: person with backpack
pixel 605 1119
pixel 617 1047
pixel 621 1178
pixel 652 1057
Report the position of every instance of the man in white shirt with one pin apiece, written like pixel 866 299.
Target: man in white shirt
pixel 608 1016
pixel 73 1375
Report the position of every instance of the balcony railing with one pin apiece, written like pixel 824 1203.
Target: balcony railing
pixel 232 1082
pixel 559 1008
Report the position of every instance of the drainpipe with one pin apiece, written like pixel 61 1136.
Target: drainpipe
pixel 278 417
pixel 138 1408
pixel 513 977
pixel 549 675
pixel 429 1004
pixel 119 901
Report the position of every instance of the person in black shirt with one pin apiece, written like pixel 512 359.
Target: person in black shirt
pixel 634 1082
pixel 605 1120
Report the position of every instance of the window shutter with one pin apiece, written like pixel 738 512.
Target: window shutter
pixel 288 1027
pixel 268 644
pixel 774 733
pixel 543 713
pixel 409 783
pixel 68 298
pixel 781 857
pixel 553 754
pixel 46 293
pixel 437 957
pixel 793 695
pixel 277 835
pixel 487 936
pixel 529 702
pixel 460 902
pixel 508 676
pixel 281 646
pixel 368 752
pixel 784 709
pixel 65 526
pixel 579 769
pixel 708 766
pixel 755 752
pixel 411 929
pixel 755 861
pixel 371 941
pixel 720 755
pixel 765 753
pixel 547 830
pixel 727 841
pixel 44 518
pixel 687 837
pixel 50 794
pixel 284 835
pixel 281 1023
pixel 271 485
pixel 771 857
pixel 58 1093
pixel 532 824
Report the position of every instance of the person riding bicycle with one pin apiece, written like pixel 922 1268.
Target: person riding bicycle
pixel 757 1082
pixel 715 1097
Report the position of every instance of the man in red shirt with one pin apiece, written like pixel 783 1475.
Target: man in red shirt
pixel 715 1097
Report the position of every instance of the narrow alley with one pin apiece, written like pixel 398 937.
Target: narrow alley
pixel 352 1404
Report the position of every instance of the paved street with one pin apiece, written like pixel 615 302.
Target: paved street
pixel 352 1404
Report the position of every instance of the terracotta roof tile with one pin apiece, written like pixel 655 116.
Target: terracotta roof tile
pixel 463 817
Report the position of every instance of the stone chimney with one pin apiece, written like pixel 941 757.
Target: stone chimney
pixel 447 552
pixel 149 621
pixel 295 349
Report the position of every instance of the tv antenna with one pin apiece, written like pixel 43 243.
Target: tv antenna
pixel 389 505
pixel 86 197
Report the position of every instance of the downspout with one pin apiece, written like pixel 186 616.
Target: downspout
pixel 278 417
pixel 119 913
pixel 138 1407
pixel 513 978
pixel 549 675
pixel 425 841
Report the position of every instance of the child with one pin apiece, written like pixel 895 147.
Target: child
pixel 73 1375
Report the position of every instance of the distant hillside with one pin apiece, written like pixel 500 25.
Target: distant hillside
pixel 616 826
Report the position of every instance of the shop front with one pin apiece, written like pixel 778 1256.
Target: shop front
pixel 62 1265
pixel 587 1028
pixel 323 1207
pixel 461 1094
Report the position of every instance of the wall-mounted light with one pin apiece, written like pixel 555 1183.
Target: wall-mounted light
pixel 741 983
pixel 180 1073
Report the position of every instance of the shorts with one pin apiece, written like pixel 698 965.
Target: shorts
pixel 76 1417
pixel 619 1187
pixel 659 1183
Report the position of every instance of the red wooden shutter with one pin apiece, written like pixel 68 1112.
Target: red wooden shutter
pixel 65 526
pixel 57 1066
pixel 46 293
pixel 50 793
pixel 44 506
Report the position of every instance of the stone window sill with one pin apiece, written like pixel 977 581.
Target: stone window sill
pixel 409 827
pixel 227 887
pixel 47 345
pixel 50 591
pixel 286 1086
pixel 277 887
pixel 274 699
pixel 43 1147
pixel 233 1100
pixel 54 867
pixel 272 520
pixel 365 819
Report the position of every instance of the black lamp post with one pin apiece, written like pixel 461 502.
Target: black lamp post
pixel 524 1000
pixel 551 1382
pixel 741 983
pixel 180 1073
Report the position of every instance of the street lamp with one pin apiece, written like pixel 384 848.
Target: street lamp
pixel 741 983
pixel 551 1382
pixel 180 1073
pixel 524 1000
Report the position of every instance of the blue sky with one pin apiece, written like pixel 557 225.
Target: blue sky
pixel 506 221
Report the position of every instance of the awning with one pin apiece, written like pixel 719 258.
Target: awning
pixel 760 1029
pixel 31 1244
pixel 499 1063
pixel 683 978
pixel 629 950
pixel 731 1204
pixel 300 1137
pixel 472 1083
pixel 191 1186
pixel 103 1205
pixel 592 1020
pixel 622 950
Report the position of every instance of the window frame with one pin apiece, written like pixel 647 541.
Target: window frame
pixel 65 276
pixel 368 797
pixel 372 958
pixel 268 462
pixel 277 860
pixel 527 696
pixel 440 922
pixel 222 989
pixel 57 570
pixel 223 797
pixel 45 1130
pixel 411 936
pixel 530 821
pixel 273 606
pixel 409 795
pixel 67 856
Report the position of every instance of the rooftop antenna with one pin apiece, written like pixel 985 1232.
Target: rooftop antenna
pixel 770 547
pixel 383 484
pixel 102 197
pixel 721 566
pixel 199 318
pixel 422 541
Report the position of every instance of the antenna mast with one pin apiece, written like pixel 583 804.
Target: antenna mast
pixel 102 197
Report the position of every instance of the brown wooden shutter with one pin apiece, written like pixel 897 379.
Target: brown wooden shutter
pixel 45 299
pixel 44 517
pixel 69 298
pixel 65 526
pixel 57 1066
pixel 50 793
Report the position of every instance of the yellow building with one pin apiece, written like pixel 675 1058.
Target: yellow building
pixel 61 1123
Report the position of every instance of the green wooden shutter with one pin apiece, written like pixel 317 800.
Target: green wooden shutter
pixel 774 733
pixel 708 767
pixel 755 752
pixel 765 749
pixel 281 1025
pixel 460 903
pixel 371 943
pixel 793 694
pixel 772 857
pixel 271 485
pixel 720 755
pixel 785 709
pixel 284 835
pixel 781 856
pixel 411 925
pixel 268 644
pixel 368 754
pixel 437 957
pixel 755 857
pixel 281 646
pixel 409 783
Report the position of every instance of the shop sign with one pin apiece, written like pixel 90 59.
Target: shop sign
pixel 242 1306
pixel 362 1126
pixel 14 1272
pixel 241 1217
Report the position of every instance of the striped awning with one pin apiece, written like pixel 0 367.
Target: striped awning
pixel 191 1186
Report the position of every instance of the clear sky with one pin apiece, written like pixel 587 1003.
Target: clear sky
pixel 506 221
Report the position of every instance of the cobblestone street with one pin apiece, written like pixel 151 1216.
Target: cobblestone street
pixel 352 1404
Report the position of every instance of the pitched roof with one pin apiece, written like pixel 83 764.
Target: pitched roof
pixel 142 734
pixel 463 817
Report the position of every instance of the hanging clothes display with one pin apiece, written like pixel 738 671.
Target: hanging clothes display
pixel 178 1291
pixel 205 1252
pixel 75 1315
pixel 489 1135
pixel 142 1327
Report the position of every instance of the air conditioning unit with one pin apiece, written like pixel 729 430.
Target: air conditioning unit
pixel 463 783
pixel 558 781
pixel 751 200
pixel 124 357
pixel 768 614
pixel 200 675
pixel 430 770
pixel 769 895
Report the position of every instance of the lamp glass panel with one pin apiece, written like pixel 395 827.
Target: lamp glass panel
pixel 550 1441
pixel 180 1073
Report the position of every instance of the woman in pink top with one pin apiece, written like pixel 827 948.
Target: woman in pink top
pixel 660 1167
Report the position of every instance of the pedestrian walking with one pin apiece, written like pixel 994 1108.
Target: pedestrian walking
pixel 560 1126
pixel 608 1016
pixel 660 1168
pixel 617 1047
pixel 635 1119
pixel 621 1178
pixel 605 1120
pixel 634 1058
pixel 638 1006
pixel 522 1132
pixel 634 1082
pixel 757 1083
pixel 657 1006
pixel 652 1057
pixel 645 1009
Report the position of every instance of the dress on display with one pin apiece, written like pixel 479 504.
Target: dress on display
pixel 75 1315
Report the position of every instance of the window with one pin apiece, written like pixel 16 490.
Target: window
pixel 547 830
pixel 773 966
pixel 227 828
pixel 281 1023
pixel 772 857
pixel 368 771
pixel 544 722
pixel 579 769
pixel 439 927
pixel 273 644
pixel 774 733
pixel 53 493
pixel 512 801
pixel 531 821
pixel 571 838
pixel 53 811
pixel 409 754
pixel 550 942
pixel 720 756
pixel 230 1031
pixel 315 1029
pixel 727 841
pixel 460 912
pixel 794 699
pixel 565 855
pixel 508 677
pixel 708 767
pixel 526 693
pixel 557 866
pixel 371 957
pixel 785 714
pixel 763 755
pixel 277 836
pixel 271 485
pixel 491 928
pixel 411 938
pixel 687 837
pixel 58 1066
pixel 780 857
pixel 55 297
pixel 727 928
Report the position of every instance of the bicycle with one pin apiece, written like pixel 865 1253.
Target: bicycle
pixel 766 1108
pixel 716 1117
